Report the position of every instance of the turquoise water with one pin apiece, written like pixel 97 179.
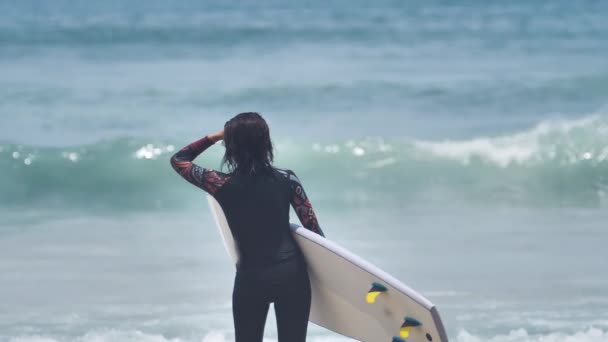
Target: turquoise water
pixel 461 146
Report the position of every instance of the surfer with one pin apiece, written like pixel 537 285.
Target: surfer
pixel 255 197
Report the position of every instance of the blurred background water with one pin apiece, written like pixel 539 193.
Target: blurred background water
pixel 461 146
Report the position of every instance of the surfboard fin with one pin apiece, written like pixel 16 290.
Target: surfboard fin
pixel 374 292
pixel 408 323
pixel 398 339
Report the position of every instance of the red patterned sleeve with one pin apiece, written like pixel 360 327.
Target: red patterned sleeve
pixel 301 205
pixel 209 180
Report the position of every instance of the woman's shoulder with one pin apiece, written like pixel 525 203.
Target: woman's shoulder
pixel 288 174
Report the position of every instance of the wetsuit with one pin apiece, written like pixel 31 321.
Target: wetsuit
pixel 271 267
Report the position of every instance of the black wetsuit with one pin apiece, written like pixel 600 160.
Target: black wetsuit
pixel 271 267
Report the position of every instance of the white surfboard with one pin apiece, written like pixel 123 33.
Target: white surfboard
pixel 341 297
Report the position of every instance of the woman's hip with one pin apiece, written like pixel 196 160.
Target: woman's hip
pixel 289 274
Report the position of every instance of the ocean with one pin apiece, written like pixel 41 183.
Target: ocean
pixel 461 146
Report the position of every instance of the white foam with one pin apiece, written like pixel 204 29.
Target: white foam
pixel 150 151
pixel 511 149
pixel 113 335
pixel 214 336
pixel 126 336
pixel 518 335
pixel 105 336
pixel 34 338
pixel 382 163
pixel 521 335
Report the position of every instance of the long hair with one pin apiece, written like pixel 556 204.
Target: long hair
pixel 249 149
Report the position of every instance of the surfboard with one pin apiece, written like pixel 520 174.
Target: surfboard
pixel 352 297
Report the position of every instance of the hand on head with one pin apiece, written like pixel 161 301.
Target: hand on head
pixel 217 136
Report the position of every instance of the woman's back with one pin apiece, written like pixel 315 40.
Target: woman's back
pixel 257 211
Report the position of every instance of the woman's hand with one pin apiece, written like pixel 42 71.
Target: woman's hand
pixel 217 136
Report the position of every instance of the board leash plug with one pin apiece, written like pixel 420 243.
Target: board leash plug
pixel 374 292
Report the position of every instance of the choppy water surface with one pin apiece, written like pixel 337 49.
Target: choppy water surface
pixel 462 147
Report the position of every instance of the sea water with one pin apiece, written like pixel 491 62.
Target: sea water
pixel 461 146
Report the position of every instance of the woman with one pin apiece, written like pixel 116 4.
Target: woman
pixel 255 197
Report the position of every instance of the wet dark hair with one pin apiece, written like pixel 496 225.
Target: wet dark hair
pixel 249 149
